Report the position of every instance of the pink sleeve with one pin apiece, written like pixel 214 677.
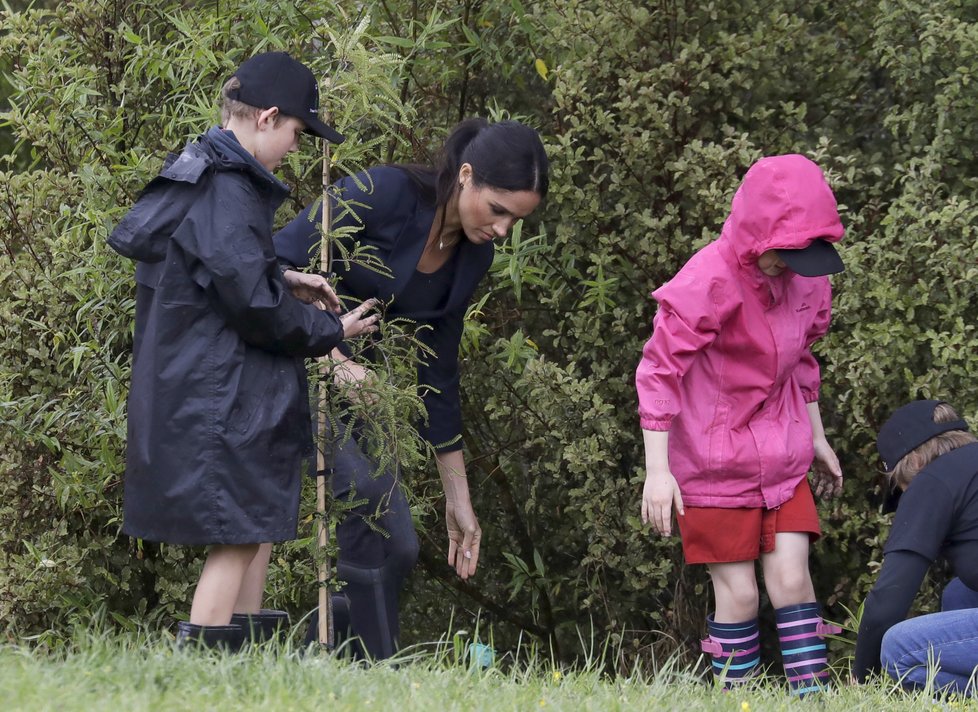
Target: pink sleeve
pixel 686 323
pixel 808 374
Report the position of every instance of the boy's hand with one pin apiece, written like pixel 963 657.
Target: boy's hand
pixel 660 495
pixel 355 323
pixel 311 288
pixel 826 470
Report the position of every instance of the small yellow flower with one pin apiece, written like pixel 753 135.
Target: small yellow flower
pixel 745 706
pixel 543 703
pixel 557 675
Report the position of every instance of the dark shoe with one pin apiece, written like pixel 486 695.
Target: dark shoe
pixel 341 628
pixel 373 597
pixel 367 613
pixel 267 624
pixel 214 637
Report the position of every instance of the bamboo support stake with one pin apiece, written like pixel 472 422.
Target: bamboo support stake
pixel 325 601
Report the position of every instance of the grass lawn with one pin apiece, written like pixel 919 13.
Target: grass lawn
pixel 125 673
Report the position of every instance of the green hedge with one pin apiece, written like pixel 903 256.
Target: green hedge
pixel 651 114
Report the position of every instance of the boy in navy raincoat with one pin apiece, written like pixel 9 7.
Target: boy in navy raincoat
pixel 219 422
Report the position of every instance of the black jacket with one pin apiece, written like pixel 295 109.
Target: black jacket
pixel 937 517
pixel 388 214
pixel 219 420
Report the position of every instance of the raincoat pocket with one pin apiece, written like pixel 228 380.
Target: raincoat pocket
pixel 719 434
pixel 249 394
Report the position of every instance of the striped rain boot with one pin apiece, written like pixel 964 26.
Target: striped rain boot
pixel 801 631
pixel 735 649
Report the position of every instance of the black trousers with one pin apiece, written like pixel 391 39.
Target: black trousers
pixel 378 546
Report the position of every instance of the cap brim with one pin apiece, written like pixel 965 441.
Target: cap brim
pixel 318 128
pixel 818 259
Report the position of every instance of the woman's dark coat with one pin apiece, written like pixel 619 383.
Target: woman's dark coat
pixel 219 419
pixel 383 204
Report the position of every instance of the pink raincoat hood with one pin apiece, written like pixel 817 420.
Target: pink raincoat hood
pixel 783 202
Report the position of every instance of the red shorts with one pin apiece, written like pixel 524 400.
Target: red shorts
pixel 713 535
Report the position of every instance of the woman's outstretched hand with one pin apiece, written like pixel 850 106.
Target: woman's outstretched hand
pixel 464 533
pixel 355 381
pixel 464 536
pixel 355 321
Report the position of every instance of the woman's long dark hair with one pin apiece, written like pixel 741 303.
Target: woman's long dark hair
pixel 506 155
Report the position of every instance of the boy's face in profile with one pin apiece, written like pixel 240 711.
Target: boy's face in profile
pixel 273 142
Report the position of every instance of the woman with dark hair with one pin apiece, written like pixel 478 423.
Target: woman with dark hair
pixel 931 457
pixel 433 228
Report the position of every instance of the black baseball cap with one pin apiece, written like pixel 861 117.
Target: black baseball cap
pixel 910 427
pixel 275 79
pixel 819 258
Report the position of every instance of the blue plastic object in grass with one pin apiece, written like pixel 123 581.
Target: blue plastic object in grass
pixel 481 655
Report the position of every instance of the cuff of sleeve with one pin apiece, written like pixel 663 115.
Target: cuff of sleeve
pixel 452 445
pixel 655 424
pixel 810 396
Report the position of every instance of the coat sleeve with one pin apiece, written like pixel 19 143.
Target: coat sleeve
pixel 359 204
pixel 229 256
pixel 688 321
pixel 924 517
pixel 887 605
pixel 808 373
pixel 438 379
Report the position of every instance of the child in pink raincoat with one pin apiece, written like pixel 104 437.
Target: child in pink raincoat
pixel 728 403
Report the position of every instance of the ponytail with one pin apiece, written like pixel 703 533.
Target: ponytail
pixel 452 156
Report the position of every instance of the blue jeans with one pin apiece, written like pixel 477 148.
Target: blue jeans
pixel 948 639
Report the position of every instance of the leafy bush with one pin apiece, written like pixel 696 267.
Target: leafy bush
pixel 651 114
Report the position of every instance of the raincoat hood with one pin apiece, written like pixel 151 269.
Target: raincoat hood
pixel 144 232
pixel 783 202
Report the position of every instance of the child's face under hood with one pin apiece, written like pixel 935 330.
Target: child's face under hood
pixel 783 202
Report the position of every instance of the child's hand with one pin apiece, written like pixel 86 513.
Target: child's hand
pixel 826 471
pixel 355 323
pixel 660 494
pixel 311 288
